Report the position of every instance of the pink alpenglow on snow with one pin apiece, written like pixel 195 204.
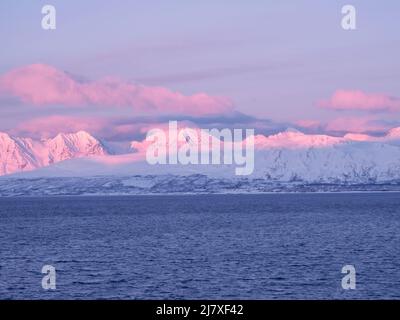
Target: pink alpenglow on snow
pixel 199 146
pixel 25 154
pixel 294 139
pixel 18 154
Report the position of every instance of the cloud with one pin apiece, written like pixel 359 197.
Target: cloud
pixel 43 85
pixel 345 125
pixel 355 125
pixel 121 127
pixel 359 100
pixel 101 127
pixel 49 126
pixel 210 74
pixel 309 125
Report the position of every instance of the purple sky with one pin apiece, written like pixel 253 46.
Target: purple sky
pixel 278 62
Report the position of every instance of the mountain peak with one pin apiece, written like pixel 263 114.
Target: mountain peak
pixel 292 130
pixel 394 133
pixel 23 154
pixel 72 145
pixel 83 133
pixel 80 134
pixel 359 137
pixel 4 136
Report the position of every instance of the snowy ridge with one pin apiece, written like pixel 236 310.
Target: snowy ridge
pixel 288 161
pixel 25 154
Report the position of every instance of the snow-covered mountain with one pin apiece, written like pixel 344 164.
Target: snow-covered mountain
pixel 347 162
pixel 25 154
pixel 16 154
pixel 79 163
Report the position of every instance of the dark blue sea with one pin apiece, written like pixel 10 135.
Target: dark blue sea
pixel 286 246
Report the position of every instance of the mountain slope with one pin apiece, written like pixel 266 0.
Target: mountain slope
pixel 16 154
pixel 25 154
pixel 287 157
pixel 348 162
pixel 73 145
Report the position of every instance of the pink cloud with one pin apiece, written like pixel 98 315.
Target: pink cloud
pixel 359 100
pixel 49 126
pixel 42 85
pixel 309 124
pixel 355 125
pixel 101 127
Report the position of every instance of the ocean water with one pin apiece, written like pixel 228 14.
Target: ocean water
pixel 286 246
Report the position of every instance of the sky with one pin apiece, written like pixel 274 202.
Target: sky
pixel 117 67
